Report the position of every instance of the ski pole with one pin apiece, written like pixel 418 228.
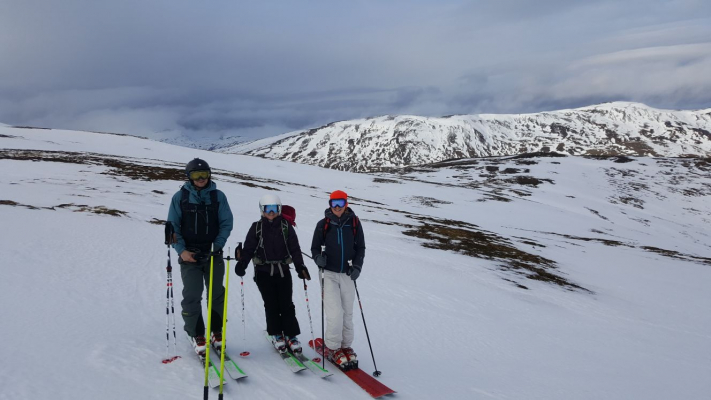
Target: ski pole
pixel 376 373
pixel 308 309
pixel 209 320
pixel 224 325
pixel 169 308
pixel 307 255
pixel 238 256
pixel 323 325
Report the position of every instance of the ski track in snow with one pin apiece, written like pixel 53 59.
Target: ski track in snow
pixel 83 294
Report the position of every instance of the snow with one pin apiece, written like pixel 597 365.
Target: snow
pixel 83 294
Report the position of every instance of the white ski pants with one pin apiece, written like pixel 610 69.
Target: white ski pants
pixel 339 295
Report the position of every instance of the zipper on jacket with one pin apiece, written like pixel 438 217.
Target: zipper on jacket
pixel 340 241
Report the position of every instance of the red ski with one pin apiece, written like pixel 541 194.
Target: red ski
pixel 360 377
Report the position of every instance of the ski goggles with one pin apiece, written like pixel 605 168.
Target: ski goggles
pixel 337 203
pixel 196 175
pixel 269 208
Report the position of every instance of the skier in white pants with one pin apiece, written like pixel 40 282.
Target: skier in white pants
pixel 338 247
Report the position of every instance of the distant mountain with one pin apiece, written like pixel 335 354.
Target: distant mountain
pixel 196 142
pixel 381 143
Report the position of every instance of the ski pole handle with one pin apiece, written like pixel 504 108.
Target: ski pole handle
pixel 169 232
pixel 238 251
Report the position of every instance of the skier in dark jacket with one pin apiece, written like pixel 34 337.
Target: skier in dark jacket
pixel 338 248
pixel 272 245
pixel 201 218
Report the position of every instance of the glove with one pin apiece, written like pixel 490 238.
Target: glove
pixel 304 273
pixel 217 253
pixel 240 268
pixel 354 272
pixel 320 260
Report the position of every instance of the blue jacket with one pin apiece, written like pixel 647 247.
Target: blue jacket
pixel 341 243
pixel 175 214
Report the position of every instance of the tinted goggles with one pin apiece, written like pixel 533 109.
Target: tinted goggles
pixel 340 203
pixel 195 175
pixel 275 208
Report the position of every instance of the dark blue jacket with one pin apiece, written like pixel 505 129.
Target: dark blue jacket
pixel 341 243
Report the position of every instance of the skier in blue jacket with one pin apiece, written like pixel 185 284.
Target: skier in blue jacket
pixel 338 248
pixel 201 218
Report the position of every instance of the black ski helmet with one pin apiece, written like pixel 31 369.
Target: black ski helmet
pixel 196 165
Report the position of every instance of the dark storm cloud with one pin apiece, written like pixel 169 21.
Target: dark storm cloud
pixel 263 68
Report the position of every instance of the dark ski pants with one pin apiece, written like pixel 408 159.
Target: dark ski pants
pixel 196 276
pixel 279 309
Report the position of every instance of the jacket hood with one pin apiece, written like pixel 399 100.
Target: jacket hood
pixel 192 189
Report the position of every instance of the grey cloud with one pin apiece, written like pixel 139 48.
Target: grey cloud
pixel 236 68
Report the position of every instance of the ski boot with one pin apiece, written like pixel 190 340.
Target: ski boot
pixel 294 344
pixel 338 357
pixel 279 343
pixel 216 339
pixel 198 344
pixel 352 358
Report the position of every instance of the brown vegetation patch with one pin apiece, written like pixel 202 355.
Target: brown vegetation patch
pixel 528 181
pixel 677 255
pixel 156 221
pixel 538 154
pixel 384 180
pixel 629 200
pixel 623 159
pixel 597 213
pixel 468 239
pixel 428 201
pixel 93 209
pixel 16 204
pixel 133 168
pixel 494 197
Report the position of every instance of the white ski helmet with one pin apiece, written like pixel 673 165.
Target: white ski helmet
pixel 269 199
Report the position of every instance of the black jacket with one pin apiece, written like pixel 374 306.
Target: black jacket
pixel 341 243
pixel 274 246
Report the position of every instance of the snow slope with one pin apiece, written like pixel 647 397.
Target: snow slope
pixel 591 283
pixel 381 143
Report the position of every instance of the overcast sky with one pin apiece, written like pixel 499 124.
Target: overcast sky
pixel 260 68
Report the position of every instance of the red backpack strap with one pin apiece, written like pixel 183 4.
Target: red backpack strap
pixel 356 221
pixel 327 221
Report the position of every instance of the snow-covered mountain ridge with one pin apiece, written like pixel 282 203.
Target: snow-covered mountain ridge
pixel 386 142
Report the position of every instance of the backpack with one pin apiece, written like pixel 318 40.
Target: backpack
pixel 185 198
pixel 327 224
pixel 201 235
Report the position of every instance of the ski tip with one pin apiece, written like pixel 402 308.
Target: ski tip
pixel 170 360
pixel 244 354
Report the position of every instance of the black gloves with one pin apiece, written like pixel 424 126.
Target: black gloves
pixel 241 268
pixel 303 272
pixel 354 272
pixel 320 260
